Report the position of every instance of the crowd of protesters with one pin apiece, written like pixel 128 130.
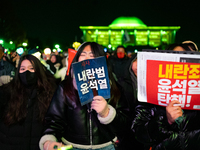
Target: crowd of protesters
pixel 40 109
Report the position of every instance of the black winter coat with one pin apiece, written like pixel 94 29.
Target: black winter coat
pixel 118 66
pixel 152 128
pixel 6 68
pixel 68 119
pixel 24 135
pixel 129 84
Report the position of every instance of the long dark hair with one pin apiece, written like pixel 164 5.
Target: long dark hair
pixel 98 51
pixel 17 103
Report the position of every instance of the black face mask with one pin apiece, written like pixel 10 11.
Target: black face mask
pixel 28 78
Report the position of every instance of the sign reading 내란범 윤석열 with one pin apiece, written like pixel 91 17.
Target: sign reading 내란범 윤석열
pixel 92 79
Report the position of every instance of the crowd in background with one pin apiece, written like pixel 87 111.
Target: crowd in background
pixel 59 60
pixel 39 104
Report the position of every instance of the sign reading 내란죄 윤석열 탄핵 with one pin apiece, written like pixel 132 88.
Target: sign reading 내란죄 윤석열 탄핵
pixel 164 77
pixel 173 81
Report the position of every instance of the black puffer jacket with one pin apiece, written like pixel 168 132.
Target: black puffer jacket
pixel 70 120
pixel 152 128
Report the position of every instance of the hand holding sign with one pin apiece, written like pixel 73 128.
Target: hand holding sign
pixel 99 104
pixel 173 112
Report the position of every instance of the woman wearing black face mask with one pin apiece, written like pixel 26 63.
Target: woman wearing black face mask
pixel 24 102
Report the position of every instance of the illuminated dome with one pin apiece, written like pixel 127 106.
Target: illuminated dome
pixel 127 22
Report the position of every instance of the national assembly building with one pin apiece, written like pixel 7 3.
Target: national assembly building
pixel 130 31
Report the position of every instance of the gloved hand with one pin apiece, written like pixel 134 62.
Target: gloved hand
pixel 5 79
pixel 100 105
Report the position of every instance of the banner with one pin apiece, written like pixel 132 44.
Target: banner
pixel 163 77
pixel 168 81
pixel 92 79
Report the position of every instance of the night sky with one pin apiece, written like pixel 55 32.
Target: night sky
pixel 59 20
